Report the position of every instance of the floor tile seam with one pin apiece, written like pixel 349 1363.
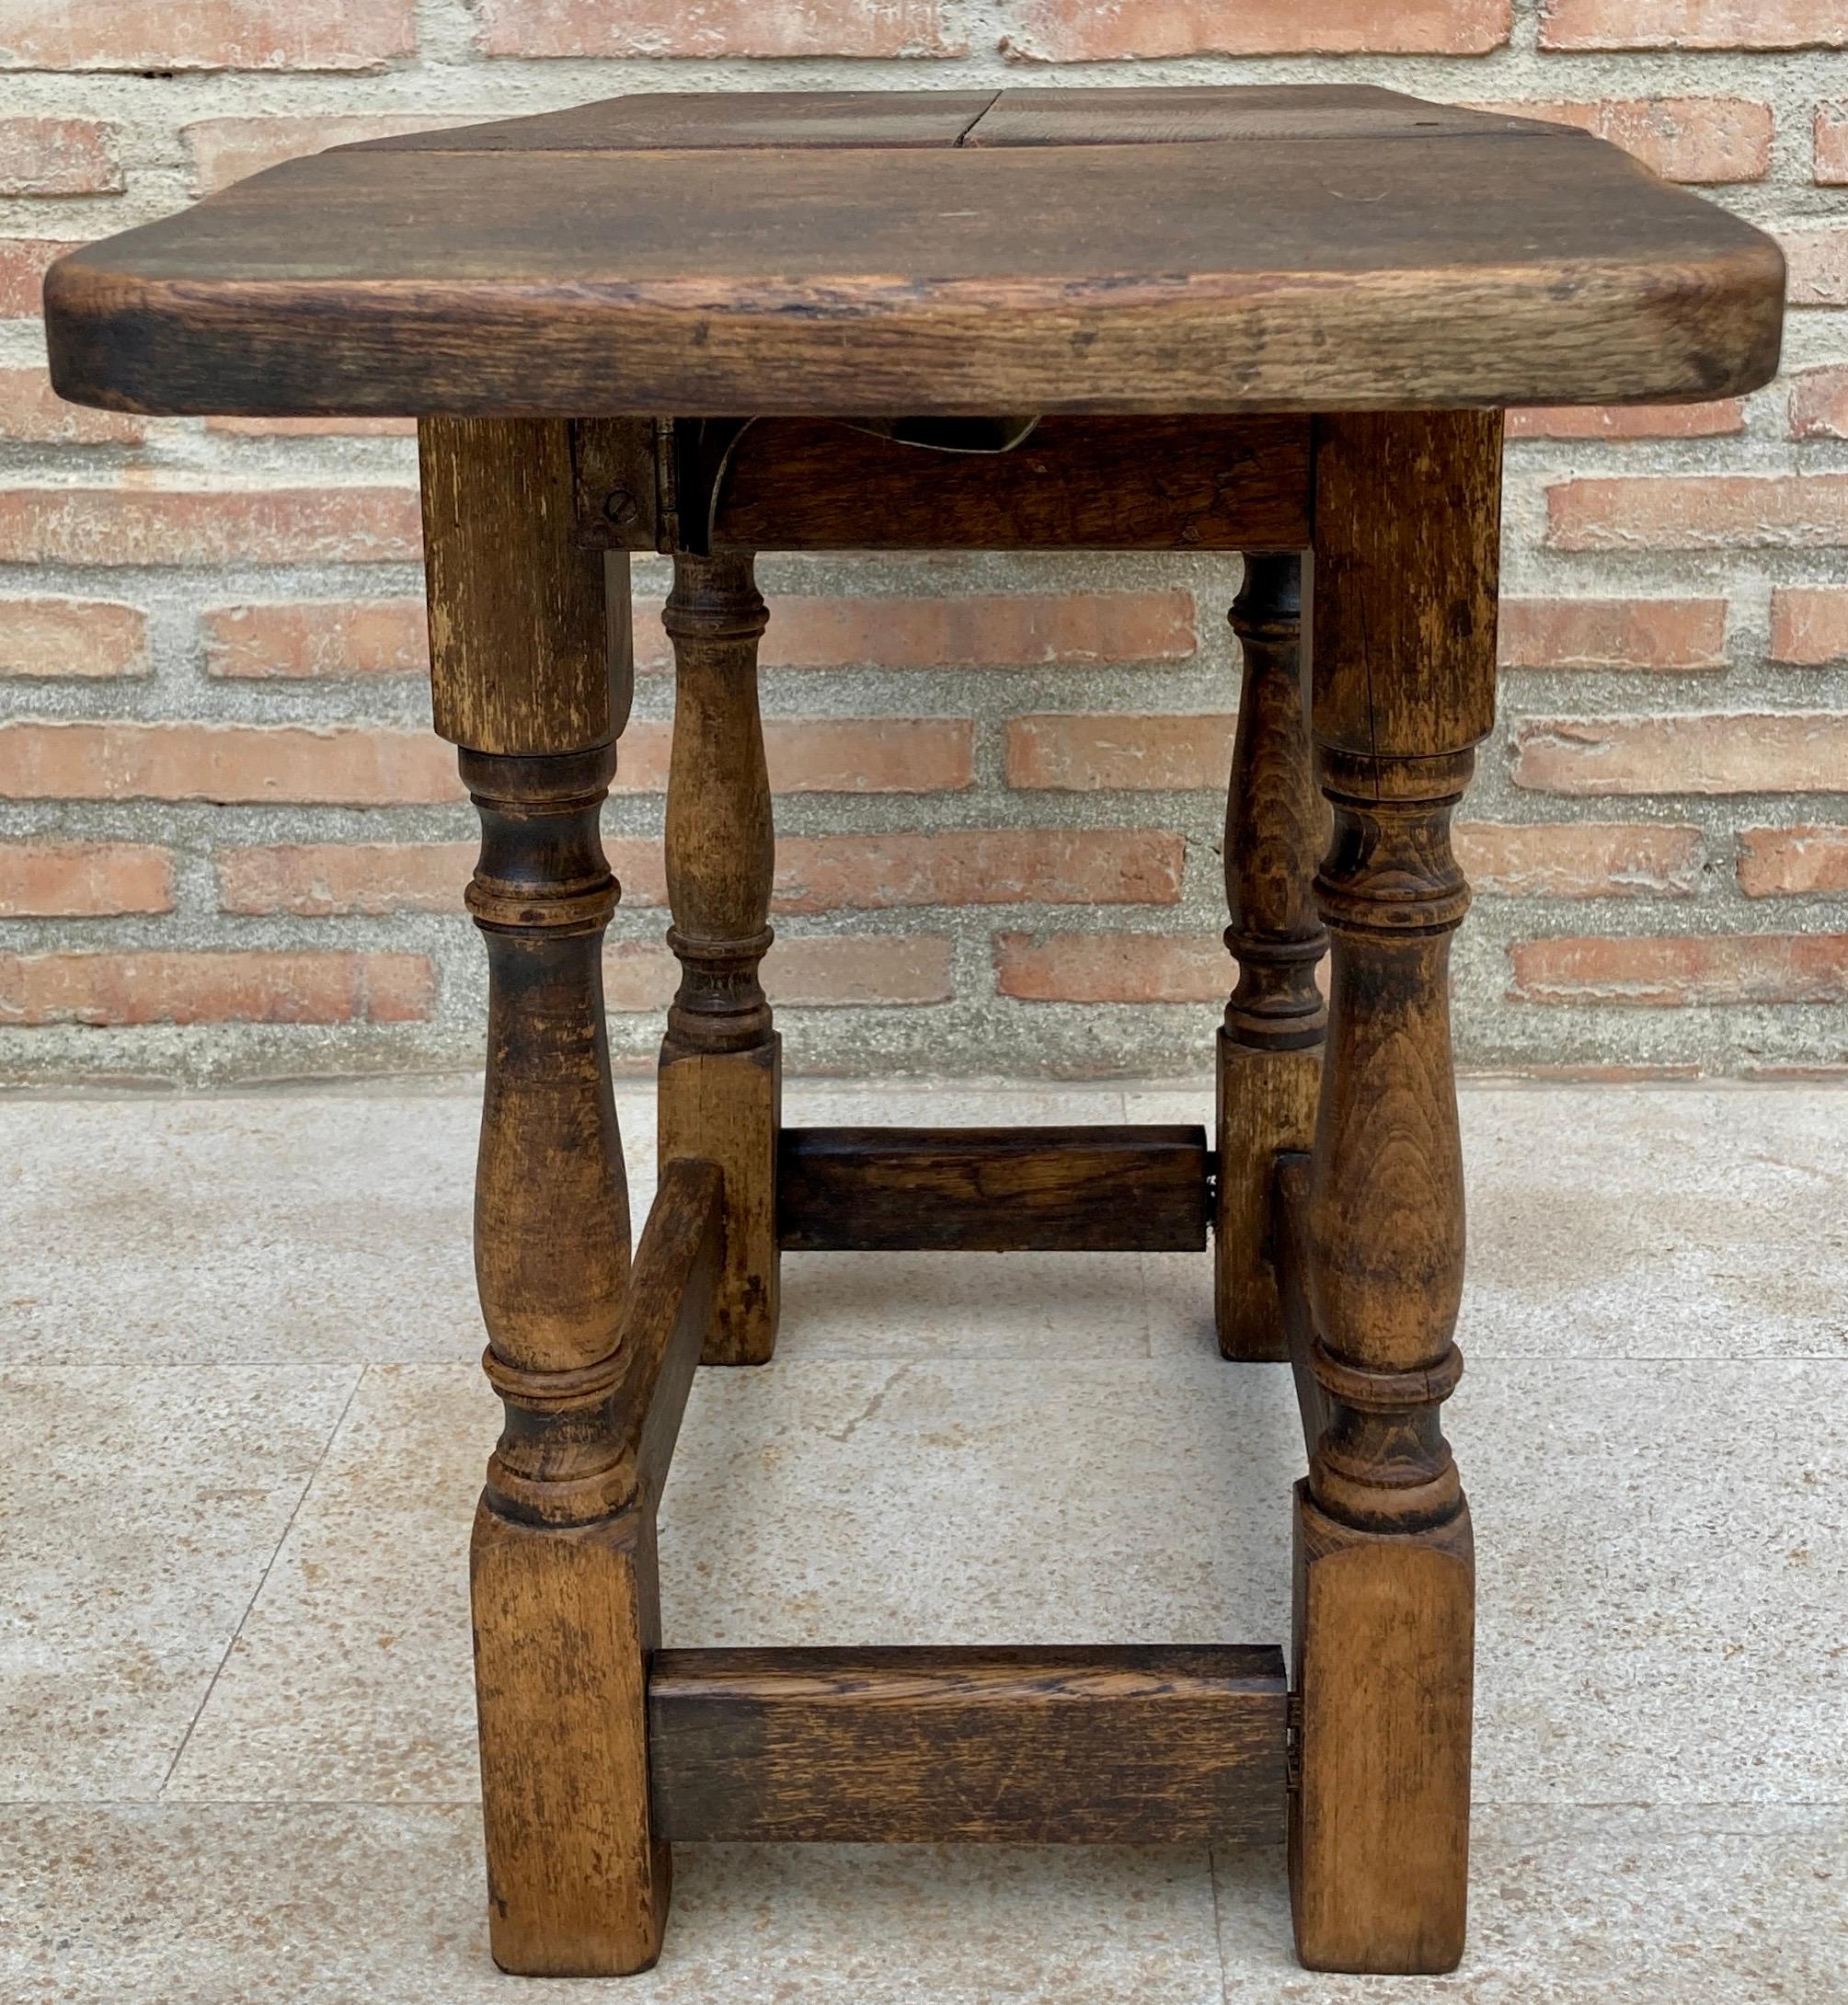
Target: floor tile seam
pixel 263 1579
pixel 1225 1997
pixel 1479 1356
pixel 1660 1802
pixel 240 1802
pixel 1156 1348
pixel 473 1803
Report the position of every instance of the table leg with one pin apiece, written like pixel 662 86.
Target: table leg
pixel 720 1083
pixel 531 678
pixel 1270 1067
pixel 1407 531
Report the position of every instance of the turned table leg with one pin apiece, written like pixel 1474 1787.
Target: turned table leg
pixel 1269 1066
pixel 1406 532
pixel 530 680
pixel 720 1086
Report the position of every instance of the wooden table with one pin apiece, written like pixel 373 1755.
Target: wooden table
pixel 1276 321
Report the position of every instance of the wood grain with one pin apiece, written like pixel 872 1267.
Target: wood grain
pixel 564 1620
pixel 667 1320
pixel 719 1086
pixel 1077 483
pixel 1404 664
pixel 994 1190
pixel 1269 1059
pixel 507 587
pixel 562 1569
pixel 699 119
pixel 1155 1744
pixel 1344 270
pixel 551 1221
pixel 563 1596
pixel 1379 1845
pixel 1289 1241
pixel 686 485
pixel 1407 544
pixel 1170 114
pixel 1384 1593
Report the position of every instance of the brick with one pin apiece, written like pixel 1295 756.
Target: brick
pixel 1142 754
pixel 1775 511
pixel 83 880
pixel 712 28
pixel 110 990
pixel 1831 143
pixel 372 880
pixel 982 630
pixel 879 971
pixel 220 35
pixel 979 866
pixel 1818 403
pixel 1081 32
pixel 1808 625
pixel 316 637
pixel 828 755
pixel 1692 24
pixel 1037 630
pixel 1793 863
pixel 225 150
pixel 72 636
pixel 1774 752
pixel 1682 971
pixel 314 428
pixel 638 976
pixel 1673 636
pixel 336 765
pixel 31 413
pixel 326 880
pixel 1715 421
pixel 1818 266
pixel 1579 859
pixel 218 524
pixel 1703 140
pixel 1112 967
pixel 24 261
pixel 58 156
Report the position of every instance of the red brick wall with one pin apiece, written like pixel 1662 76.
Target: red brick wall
pixel 228 845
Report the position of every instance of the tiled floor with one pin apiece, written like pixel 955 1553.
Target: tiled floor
pixel 242 1427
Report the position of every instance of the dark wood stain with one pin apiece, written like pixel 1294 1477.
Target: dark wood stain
pixel 1270 1048
pixel 994 1190
pixel 1280 320
pixel 1114 1746
pixel 719 1090
pixel 1319 258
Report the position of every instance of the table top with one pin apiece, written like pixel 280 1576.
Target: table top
pixel 841 253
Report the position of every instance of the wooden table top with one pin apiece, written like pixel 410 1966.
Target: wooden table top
pixel 839 253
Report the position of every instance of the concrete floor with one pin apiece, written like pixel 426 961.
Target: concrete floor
pixel 244 1428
